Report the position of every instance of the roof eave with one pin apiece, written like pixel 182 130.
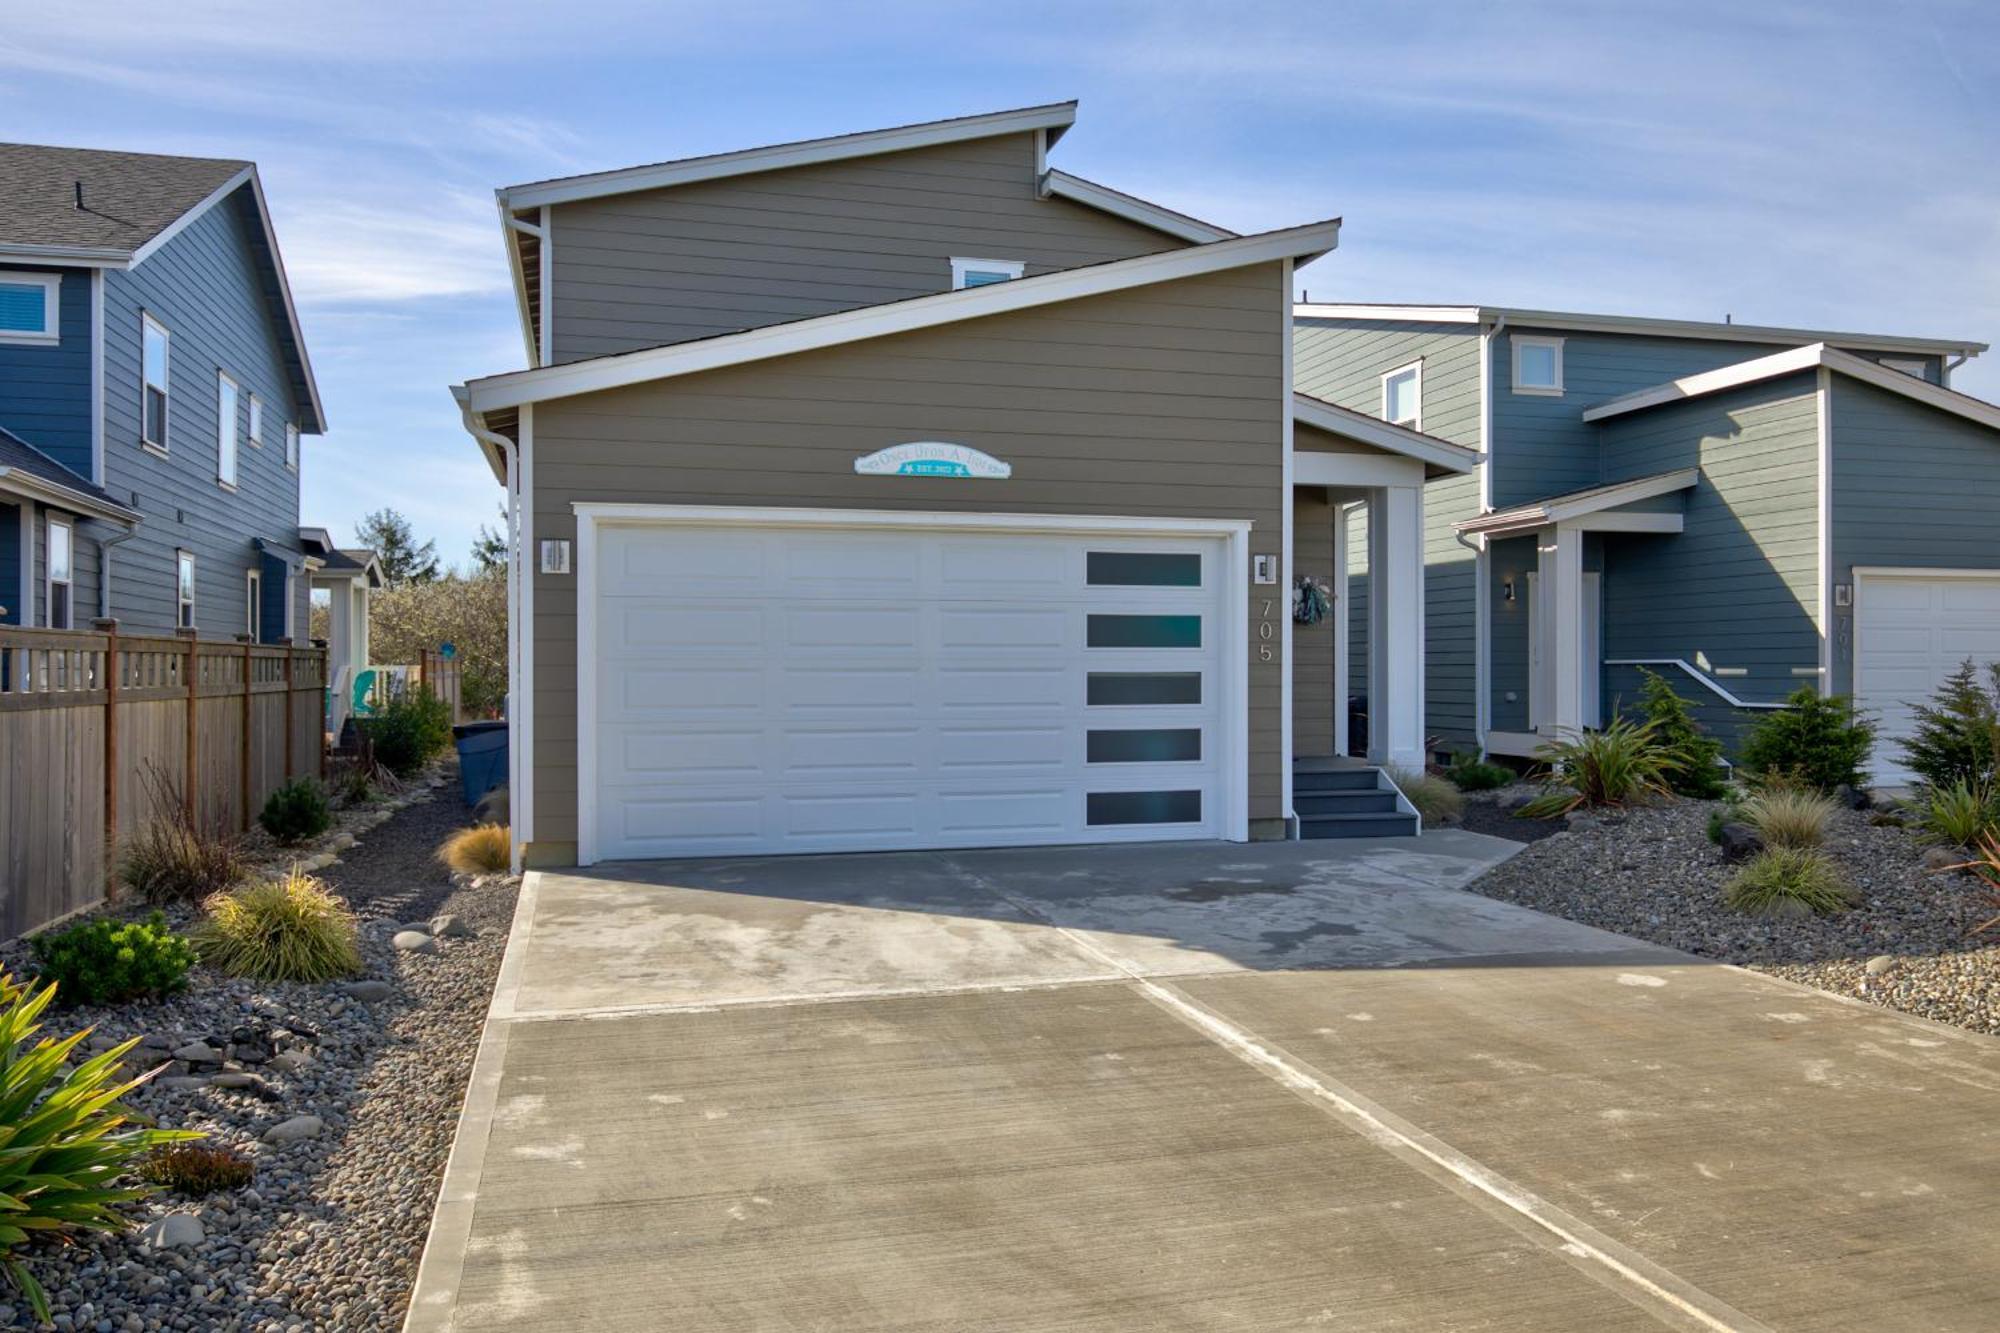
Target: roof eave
pixel 67 256
pixel 1427 449
pixel 1581 504
pixel 63 497
pixel 1130 207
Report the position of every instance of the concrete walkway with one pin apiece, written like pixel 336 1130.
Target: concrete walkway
pixel 1295 1085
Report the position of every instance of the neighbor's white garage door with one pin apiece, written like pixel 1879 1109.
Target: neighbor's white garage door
pixel 798 690
pixel 1910 632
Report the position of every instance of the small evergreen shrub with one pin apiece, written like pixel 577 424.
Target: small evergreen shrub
pixel 1796 881
pixel 68 1138
pixel 409 731
pixel 290 929
pixel 1816 739
pixel 483 849
pixel 1957 734
pixel 1617 766
pixel 197 1169
pixel 1468 772
pixel 1789 816
pixel 1436 800
pixel 103 961
pixel 1699 755
pixel 1716 819
pixel 1958 813
pixel 295 812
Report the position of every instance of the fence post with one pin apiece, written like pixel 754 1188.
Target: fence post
pixel 244 759
pixel 112 671
pixel 291 709
pixel 319 711
pixel 189 773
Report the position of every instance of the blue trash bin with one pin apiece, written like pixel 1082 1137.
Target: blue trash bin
pixel 482 757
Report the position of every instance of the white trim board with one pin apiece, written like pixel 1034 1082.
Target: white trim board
pixel 1377 433
pixel 1697 674
pixel 1590 505
pixel 1055 117
pixel 1574 322
pixel 1818 356
pixel 518 388
pixel 1062 185
pixel 1233 657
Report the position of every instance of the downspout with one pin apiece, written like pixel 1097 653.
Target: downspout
pixel 1945 368
pixel 516 687
pixel 104 545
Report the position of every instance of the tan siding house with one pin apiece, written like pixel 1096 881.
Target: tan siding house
pixel 895 491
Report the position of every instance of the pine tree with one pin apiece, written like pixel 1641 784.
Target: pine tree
pixel 403 561
pixel 1675 730
pixel 1957 734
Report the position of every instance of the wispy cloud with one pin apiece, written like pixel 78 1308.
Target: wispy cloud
pixel 345 253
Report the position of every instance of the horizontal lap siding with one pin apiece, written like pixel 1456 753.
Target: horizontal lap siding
pixel 662 266
pixel 1740 584
pixel 1343 362
pixel 1080 408
pixel 1912 486
pixel 204 287
pixel 45 388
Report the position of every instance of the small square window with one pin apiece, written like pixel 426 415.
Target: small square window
pixel 30 308
pixel 1403 396
pixel 984 272
pixel 1538 365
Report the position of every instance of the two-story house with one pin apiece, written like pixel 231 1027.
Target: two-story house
pixel 154 386
pixel 900 490
pixel 1745 509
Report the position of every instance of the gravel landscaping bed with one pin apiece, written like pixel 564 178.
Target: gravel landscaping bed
pixel 1484 814
pixel 1653 874
pixel 346 1095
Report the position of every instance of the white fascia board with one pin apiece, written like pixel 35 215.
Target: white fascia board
pixel 1563 509
pixel 1055 116
pixel 180 224
pixel 1415 314
pixel 475 426
pixel 62 497
pixel 1716 331
pixel 1379 434
pixel 509 228
pixel 1133 209
pixel 1817 356
pixel 615 511
pixel 66 256
pixel 521 387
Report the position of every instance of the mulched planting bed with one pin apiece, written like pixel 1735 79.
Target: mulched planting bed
pixel 328 1234
pixel 1652 873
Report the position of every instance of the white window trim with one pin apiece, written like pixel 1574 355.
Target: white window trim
pixel 51 333
pixel 49 579
pixel 1414 367
pixel 184 605
pixel 291 446
pixel 286 585
pixel 228 444
pixel 255 437
pixel 1013 268
pixel 1517 342
pixel 253 603
pixel 161 445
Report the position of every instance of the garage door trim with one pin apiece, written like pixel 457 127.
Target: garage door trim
pixel 1862 574
pixel 1234 719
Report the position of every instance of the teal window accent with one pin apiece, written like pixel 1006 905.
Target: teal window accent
pixel 1127 688
pixel 1109 631
pixel 1147 745
pixel 1143 569
pixel 982 278
pixel 1102 808
pixel 984 272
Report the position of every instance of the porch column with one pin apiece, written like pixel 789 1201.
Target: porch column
pixel 1396 625
pixel 1559 570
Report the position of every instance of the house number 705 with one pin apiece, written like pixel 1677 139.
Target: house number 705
pixel 1266 631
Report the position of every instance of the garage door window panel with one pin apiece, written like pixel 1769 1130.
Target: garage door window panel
pixel 1145 745
pixel 1144 631
pixel 1139 689
pixel 1108 809
pixel 1143 569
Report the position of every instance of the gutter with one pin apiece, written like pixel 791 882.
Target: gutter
pixel 516 686
pixel 104 545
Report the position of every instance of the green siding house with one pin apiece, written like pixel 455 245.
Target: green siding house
pixel 1743 509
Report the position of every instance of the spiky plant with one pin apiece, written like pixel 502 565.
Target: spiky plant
pixel 483 849
pixel 289 929
pixel 1782 881
pixel 1789 816
pixel 1616 766
pixel 1956 813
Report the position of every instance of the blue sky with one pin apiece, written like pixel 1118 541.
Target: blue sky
pixel 1823 164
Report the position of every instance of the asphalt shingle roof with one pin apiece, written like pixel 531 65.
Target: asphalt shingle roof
pixel 128 198
pixel 17 454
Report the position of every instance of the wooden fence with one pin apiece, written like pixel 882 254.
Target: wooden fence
pixel 86 719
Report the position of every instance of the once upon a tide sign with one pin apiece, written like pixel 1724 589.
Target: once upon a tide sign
pixel 931 458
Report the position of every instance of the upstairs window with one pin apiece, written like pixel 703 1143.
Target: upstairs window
pixel 153 367
pixel 1403 396
pixel 984 272
pixel 184 588
pixel 291 446
pixel 1538 365
pixel 256 422
pixel 30 308
pixel 61 545
pixel 228 397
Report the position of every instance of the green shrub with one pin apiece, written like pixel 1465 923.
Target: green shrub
pixel 1958 813
pixel 1782 881
pixel 1815 739
pixel 67 1138
pixel 103 961
pixel 409 731
pixel 1789 816
pixel 1957 734
pixel 1436 800
pixel 1468 772
pixel 197 1169
pixel 290 929
pixel 295 812
pixel 1700 773
pixel 1716 819
pixel 1621 764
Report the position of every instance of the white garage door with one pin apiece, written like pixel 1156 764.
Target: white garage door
pixel 799 690
pixel 1910 632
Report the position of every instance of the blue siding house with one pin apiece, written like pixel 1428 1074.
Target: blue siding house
pixel 154 388
pixel 1744 509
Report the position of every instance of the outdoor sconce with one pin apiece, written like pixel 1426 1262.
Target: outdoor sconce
pixel 1507 590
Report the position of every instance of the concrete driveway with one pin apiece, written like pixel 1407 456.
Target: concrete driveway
pixel 1295 1085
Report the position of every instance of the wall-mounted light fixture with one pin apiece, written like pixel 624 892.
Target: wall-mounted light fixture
pixel 1507 590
